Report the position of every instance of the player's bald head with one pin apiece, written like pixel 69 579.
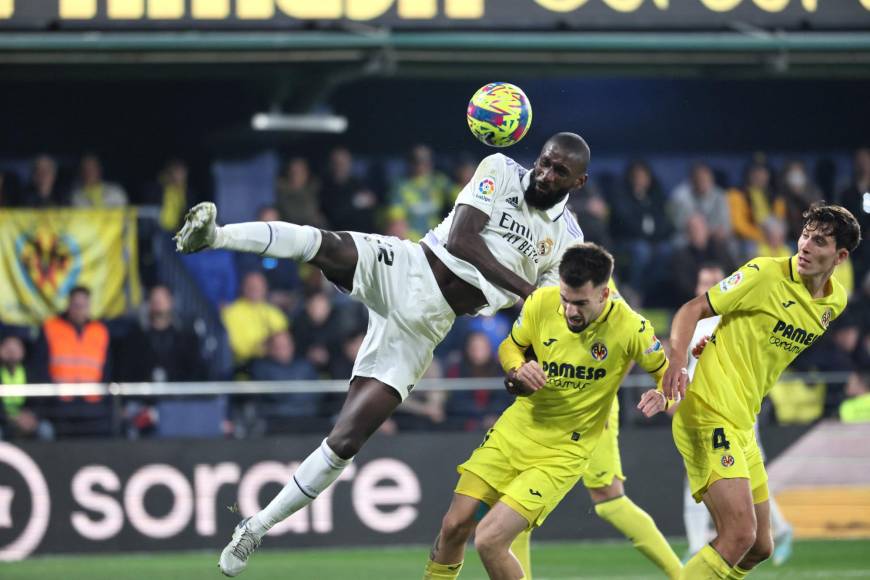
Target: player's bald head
pixel 574 147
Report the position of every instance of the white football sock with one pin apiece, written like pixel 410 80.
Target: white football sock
pixel 316 473
pixel 273 239
pixel 696 518
pixel 777 521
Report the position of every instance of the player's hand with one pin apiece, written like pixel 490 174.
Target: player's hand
pixel 526 380
pixel 699 348
pixel 652 402
pixel 675 380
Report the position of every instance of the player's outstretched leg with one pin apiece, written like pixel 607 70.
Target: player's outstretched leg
pixel 368 404
pixel 448 551
pixel 493 539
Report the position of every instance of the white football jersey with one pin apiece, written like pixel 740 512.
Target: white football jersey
pixel 705 327
pixel 526 240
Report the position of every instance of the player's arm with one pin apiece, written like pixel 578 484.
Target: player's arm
pixel 682 329
pixel 466 243
pixel 522 376
pixel 647 351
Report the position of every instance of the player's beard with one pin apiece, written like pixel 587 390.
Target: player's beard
pixel 576 327
pixel 540 199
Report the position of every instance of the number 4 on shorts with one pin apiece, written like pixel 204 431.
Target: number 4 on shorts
pixel 719 440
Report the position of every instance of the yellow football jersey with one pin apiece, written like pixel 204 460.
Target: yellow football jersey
pixel 768 319
pixel 583 370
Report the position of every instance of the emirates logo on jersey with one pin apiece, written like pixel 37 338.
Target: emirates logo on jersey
pixel 598 351
pixel 826 317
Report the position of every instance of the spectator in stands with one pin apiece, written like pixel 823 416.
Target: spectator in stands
pixel 773 243
pixel 250 320
pixel 593 215
pixel 162 349
pixel 19 415
pixel 347 201
pixel 701 248
pixel 701 195
pixel 751 206
pixel 296 194
pixel 282 364
pixel 798 192
pixel 856 198
pixel 92 191
pixel 77 349
pixel 463 173
pixel 640 226
pixel 418 202
pixel 318 329
pixel 476 410
pixel 281 275
pixel 43 189
pixel 172 194
pixel 856 407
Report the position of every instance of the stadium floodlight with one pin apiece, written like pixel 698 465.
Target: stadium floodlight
pixel 309 123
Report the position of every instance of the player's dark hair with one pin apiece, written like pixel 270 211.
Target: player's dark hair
pixel 584 263
pixel 836 221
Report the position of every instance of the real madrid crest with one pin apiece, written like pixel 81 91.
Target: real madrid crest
pixel 545 246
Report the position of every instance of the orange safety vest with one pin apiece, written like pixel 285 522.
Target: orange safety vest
pixel 74 357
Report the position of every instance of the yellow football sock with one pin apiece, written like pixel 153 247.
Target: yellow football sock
pixel 436 571
pixel 738 573
pixel 523 551
pixel 707 564
pixel 624 515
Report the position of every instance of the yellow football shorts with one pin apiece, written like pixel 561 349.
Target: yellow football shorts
pixel 529 478
pixel 713 449
pixel 605 464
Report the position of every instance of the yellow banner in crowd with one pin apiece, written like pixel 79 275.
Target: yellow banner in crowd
pixel 46 253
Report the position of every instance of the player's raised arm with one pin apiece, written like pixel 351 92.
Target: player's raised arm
pixel 466 243
pixel 682 329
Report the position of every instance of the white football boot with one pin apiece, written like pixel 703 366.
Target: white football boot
pixel 235 556
pixel 199 230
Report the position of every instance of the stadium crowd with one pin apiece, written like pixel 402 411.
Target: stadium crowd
pixel 285 322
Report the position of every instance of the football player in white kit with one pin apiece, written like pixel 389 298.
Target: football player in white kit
pixel 695 515
pixel 504 237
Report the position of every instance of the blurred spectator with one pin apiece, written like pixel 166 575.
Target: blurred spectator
pixel 640 226
pixel 296 195
pixel 477 410
pixel 752 206
pixel 43 189
pixel 346 201
pixel 92 191
pixel 250 320
pixel 172 194
pixel 215 275
pixel 423 409
pixel 856 198
pixel 77 350
pixel 161 350
pixel 19 416
pixel 463 173
pixel 773 243
pixel 318 329
pixel 282 364
pixel 281 275
pixel 856 407
pixel 798 192
pixel 592 214
pixel 701 195
pixel 418 202
pixel 688 259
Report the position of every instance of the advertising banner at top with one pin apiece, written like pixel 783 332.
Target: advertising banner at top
pixel 684 15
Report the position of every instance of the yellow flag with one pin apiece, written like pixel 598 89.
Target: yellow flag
pixel 46 253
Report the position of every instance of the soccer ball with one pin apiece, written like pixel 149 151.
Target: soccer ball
pixel 499 114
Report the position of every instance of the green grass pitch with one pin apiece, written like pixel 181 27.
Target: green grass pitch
pixel 552 561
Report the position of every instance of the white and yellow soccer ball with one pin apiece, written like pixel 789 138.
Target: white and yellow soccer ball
pixel 499 114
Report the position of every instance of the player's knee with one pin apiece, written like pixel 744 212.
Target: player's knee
pixel 487 541
pixel 345 444
pixel 456 529
pixel 741 538
pixel 762 549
